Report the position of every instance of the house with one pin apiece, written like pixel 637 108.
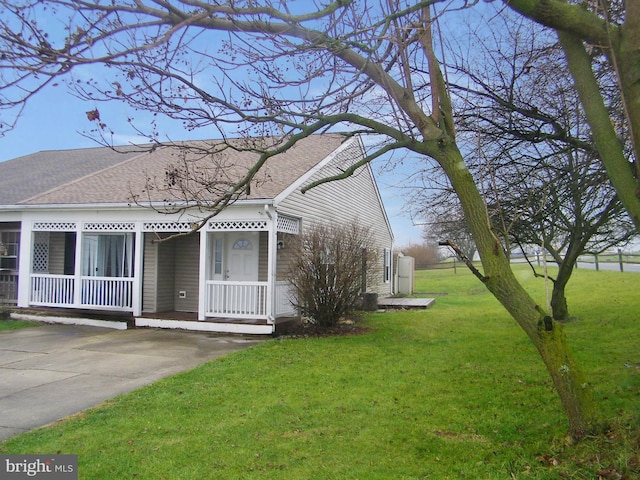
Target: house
pixel 87 230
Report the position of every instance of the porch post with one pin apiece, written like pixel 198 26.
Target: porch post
pixel 271 268
pixel 24 264
pixel 137 270
pixel 77 268
pixel 202 274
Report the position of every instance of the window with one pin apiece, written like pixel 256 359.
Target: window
pixel 242 244
pixel 9 246
pixel 386 272
pixel 217 256
pixel 109 255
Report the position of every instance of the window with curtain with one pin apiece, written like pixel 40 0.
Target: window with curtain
pixel 107 255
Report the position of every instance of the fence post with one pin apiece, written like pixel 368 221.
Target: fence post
pixel 597 264
pixel 620 260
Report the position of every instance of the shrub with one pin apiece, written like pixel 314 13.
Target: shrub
pixel 329 270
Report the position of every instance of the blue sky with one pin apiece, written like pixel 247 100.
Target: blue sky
pixel 55 120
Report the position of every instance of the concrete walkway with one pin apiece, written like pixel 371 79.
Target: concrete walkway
pixel 52 371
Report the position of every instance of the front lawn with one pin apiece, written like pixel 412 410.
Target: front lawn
pixel 452 392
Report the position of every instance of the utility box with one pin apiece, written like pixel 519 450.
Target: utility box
pixel 369 301
pixel 406 268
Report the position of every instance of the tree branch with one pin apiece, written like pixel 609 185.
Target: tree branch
pixel 461 255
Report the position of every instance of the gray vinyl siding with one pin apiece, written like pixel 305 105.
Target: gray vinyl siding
pixel 187 252
pixel 150 276
pixel 354 199
pixel 159 284
pixel 284 255
pixel 56 253
pixel 159 276
pixel 166 291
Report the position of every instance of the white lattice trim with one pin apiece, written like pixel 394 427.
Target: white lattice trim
pixel 54 226
pixel 168 226
pixel 110 227
pixel 288 225
pixel 237 225
pixel 41 252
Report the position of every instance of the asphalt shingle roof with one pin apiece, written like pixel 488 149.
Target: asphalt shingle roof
pixel 101 175
pixel 34 174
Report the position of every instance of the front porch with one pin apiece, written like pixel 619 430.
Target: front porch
pixel 228 275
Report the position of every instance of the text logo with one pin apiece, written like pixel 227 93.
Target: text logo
pixel 50 467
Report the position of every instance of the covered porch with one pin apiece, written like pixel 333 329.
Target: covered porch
pixel 230 274
pixel 82 265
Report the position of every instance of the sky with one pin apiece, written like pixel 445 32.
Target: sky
pixel 55 120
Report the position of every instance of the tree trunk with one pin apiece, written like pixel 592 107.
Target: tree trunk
pixel 546 334
pixel 558 299
pixel 559 303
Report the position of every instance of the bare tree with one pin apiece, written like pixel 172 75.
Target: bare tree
pixel 445 222
pixel 544 182
pixel 425 254
pixel 612 31
pixel 270 68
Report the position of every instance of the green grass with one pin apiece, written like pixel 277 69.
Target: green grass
pixel 9 324
pixel 452 392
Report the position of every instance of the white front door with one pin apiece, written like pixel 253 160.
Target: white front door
pixel 242 257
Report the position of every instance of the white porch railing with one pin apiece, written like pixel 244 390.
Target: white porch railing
pixel 115 293
pixel 246 300
pixel 107 292
pixel 236 299
pixel 284 297
pixel 52 290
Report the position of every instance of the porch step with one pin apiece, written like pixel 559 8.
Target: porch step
pixel 91 322
pixel 218 326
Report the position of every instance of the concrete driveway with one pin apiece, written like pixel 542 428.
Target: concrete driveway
pixel 52 371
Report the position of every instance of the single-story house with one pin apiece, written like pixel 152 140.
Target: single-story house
pixel 85 230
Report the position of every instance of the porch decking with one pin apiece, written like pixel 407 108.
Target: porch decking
pixel 391 302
